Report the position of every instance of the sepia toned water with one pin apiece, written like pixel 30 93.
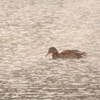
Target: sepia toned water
pixel 28 28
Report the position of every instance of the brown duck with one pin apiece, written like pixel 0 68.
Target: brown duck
pixel 65 54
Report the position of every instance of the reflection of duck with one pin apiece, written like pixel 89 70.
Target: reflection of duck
pixel 65 54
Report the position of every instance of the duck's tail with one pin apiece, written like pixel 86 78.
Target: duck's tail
pixel 81 54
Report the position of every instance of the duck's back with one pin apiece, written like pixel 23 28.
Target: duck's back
pixel 71 54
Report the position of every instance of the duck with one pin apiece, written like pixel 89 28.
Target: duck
pixel 65 53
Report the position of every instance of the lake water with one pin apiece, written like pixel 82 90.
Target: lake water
pixel 28 28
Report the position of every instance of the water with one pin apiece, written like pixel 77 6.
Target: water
pixel 28 29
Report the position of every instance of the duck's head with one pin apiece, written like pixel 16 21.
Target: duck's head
pixel 52 50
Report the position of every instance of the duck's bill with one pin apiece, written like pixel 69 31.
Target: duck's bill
pixel 47 54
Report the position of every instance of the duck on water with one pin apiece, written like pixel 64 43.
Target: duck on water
pixel 65 53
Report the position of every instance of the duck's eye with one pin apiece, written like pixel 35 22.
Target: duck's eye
pixel 50 50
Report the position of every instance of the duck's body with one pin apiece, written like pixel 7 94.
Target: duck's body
pixel 65 54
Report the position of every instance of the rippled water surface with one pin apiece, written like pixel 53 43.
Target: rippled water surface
pixel 28 28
